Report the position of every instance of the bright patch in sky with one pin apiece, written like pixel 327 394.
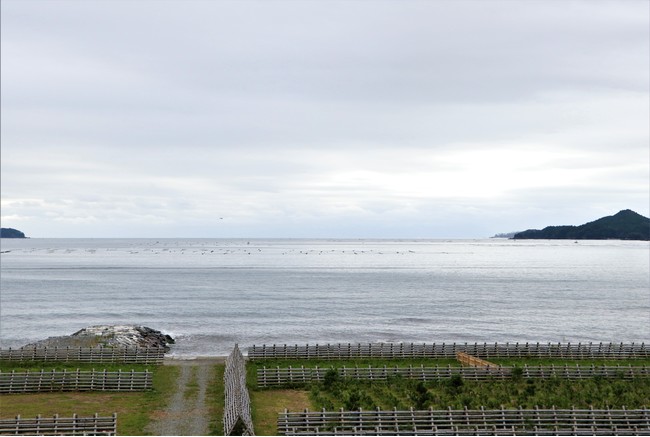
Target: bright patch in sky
pixel 321 118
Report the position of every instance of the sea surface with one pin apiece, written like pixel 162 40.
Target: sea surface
pixel 212 293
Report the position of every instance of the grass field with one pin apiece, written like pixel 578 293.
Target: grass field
pixel 8 366
pixel 134 410
pixel 252 366
pixel 456 393
pixel 520 362
pixel 397 392
pixel 266 404
pixel 215 397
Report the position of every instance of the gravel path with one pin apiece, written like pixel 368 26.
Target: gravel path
pixel 187 412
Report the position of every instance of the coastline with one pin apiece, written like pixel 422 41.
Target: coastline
pixel 186 361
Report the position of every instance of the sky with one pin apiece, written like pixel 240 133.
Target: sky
pixel 321 119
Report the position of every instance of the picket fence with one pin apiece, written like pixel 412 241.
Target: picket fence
pixel 56 425
pixel 237 411
pixel 276 376
pixel 75 380
pixel 467 422
pixel 134 355
pixel 336 351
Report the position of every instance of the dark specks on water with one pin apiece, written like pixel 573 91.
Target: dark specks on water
pixel 210 294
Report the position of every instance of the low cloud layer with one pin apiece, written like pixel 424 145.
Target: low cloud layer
pixel 321 119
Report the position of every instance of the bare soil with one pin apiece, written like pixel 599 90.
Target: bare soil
pixel 187 412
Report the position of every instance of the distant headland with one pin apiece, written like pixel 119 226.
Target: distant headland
pixel 625 225
pixel 11 233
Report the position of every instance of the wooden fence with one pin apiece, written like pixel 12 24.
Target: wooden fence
pixel 148 355
pixel 467 422
pixel 276 376
pixel 237 411
pixel 573 351
pixel 472 361
pixel 56 425
pixel 75 380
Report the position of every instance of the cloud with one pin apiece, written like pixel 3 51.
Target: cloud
pixel 320 118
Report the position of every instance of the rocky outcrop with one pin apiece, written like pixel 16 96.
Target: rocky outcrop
pixel 110 336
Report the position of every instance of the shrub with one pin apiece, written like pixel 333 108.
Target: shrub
pixel 421 397
pixel 456 381
pixel 353 400
pixel 331 377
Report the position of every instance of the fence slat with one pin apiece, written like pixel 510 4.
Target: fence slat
pixel 149 355
pixel 78 380
pixel 237 411
pixel 269 377
pixel 578 351
pixel 466 422
pixel 56 425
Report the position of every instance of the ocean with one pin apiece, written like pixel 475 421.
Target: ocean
pixel 212 293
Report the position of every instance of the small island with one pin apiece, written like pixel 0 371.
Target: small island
pixel 11 233
pixel 625 225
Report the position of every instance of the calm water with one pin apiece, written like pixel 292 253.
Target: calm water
pixel 210 294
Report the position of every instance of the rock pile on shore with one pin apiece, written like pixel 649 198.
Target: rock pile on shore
pixel 110 336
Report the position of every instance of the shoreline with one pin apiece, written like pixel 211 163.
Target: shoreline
pixel 171 361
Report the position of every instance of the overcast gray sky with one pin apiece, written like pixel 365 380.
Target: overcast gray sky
pixel 404 119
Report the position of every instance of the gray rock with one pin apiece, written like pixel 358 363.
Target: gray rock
pixel 110 336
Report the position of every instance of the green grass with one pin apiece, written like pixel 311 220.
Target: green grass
pixel 215 400
pixel 266 404
pixel 33 366
pixel 164 385
pixel 401 393
pixel 134 410
pixel 457 393
pixel 192 387
pixel 519 362
pixel 252 366
pixel 374 362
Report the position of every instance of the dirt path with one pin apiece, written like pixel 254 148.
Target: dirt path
pixel 187 412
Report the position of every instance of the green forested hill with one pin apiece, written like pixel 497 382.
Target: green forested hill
pixel 625 225
pixel 11 233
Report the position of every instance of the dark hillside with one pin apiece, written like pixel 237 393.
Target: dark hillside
pixel 11 233
pixel 625 225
